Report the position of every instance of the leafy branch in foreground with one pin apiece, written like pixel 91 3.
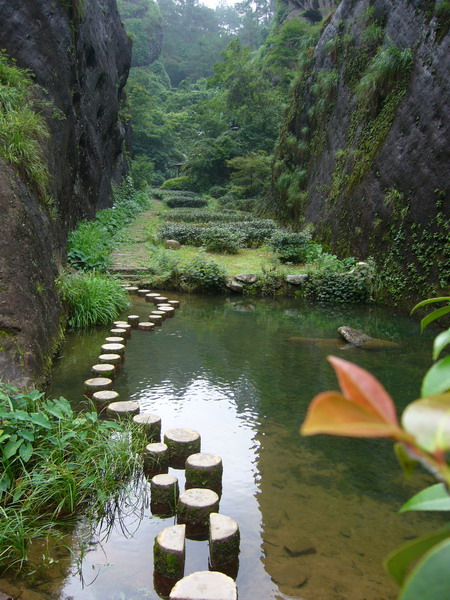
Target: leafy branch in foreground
pixel 363 408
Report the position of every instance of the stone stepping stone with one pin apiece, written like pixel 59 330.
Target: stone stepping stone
pixel 104 370
pixel 158 313
pixel 113 349
pixel 195 506
pixel 96 384
pixel 146 326
pixel 143 292
pixel 164 494
pixel 104 398
pixel 112 359
pixel 115 339
pixel 156 319
pixel 151 424
pixel 131 289
pixel 156 458
pixel 123 325
pixel 174 303
pixel 126 408
pixel 169 551
pixel 224 544
pixel 204 471
pixel 205 585
pixel 181 443
pixel 151 297
pixel 133 320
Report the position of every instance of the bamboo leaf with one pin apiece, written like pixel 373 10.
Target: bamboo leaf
pixel 434 497
pixel 436 314
pixel 437 379
pixel 442 340
pixel 430 301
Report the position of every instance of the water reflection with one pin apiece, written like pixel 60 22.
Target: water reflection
pixel 316 515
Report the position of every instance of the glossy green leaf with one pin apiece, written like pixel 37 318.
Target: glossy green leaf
pixel 430 301
pixel 428 420
pixel 436 314
pixel 40 419
pixel 11 446
pixel 434 497
pixel 430 579
pixel 442 340
pixel 437 379
pixel 26 451
pixel 399 561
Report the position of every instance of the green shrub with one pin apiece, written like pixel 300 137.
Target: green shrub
pixel 185 233
pixel 216 191
pixel 231 201
pixel 163 266
pixel 186 202
pixel 269 283
pixel 142 170
pixel 328 286
pixel 89 246
pixel 294 247
pixel 192 215
pixel 202 274
pixel 92 298
pixel 177 183
pixel 219 239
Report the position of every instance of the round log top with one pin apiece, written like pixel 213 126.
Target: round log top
pixel 124 407
pixel 164 480
pixel 131 288
pixel 221 526
pixel 97 381
pixel 105 396
pixel 198 498
pixel 114 339
pixel 145 325
pixel 152 295
pixel 113 348
pixel 143 292
pixel 156 448
pixel 204 460
pixel 109 358
pixel 183 436
pixel 172 538
pixel 204 585
pixel 146 419
pixel 103 369
pixel 158 313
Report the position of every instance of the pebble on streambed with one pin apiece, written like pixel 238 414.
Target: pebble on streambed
pixel 126 408
pixel 104 370
pixel 97 384
pixel 224 544
pixel 181 444
pixel 204 471
pixel 204 585
pixel 151 424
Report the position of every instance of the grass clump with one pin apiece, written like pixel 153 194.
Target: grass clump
pixel 92 298
pixel 22 127
pixel 53 463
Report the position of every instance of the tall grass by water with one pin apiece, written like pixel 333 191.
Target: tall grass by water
pixel 92 298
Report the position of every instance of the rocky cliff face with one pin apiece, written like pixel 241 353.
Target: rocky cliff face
pixel 80 56
pixel 364 153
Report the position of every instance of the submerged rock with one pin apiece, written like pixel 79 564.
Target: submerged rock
pixel 361 340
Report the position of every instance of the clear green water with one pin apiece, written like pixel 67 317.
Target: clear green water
pixel 317 515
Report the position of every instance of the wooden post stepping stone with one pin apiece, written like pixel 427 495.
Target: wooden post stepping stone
pixel 224 542
pixel 174 303
pixel 204 471
pixel 146 326
pixel 151 424
pixel 143 292
pixel 112 359
pixel 169 310
pixel 133 320
pixel 151 297
pixel 115 339
pixel 131 289
pixel 156 458
pixel 104 398
pixel 96 384
pixel 123 325
pixel 156 319
pixel 158 313
pixel 126 408
pixel 104 370
pixel 181 443
pixel 164 494
pixel 169 552
pixel 113 349
pixel 119 332
pixel 160 299
pixel 204 585
pixel 195 506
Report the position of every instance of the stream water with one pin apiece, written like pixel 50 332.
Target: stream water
pixel 317 515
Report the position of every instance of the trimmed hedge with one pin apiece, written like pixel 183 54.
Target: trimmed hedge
pixel 186 202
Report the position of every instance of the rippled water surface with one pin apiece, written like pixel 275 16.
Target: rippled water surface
pixel 317 515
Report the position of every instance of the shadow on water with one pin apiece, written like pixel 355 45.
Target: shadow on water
pixel 317 515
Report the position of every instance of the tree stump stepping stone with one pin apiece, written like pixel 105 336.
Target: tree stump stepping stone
pixel 151 424
pixel 131 289
pixel 224 543
pixel 115 339
pixel 204 585
pixel 113 349
pixel 112 359
pixel 125 326
pixel 160 299
pixel 164 494
pixel 143 292
pixel 157 319
pixel 169 310
pixel 126 408
pixel 195 506
pixel 151 297
pixel 103 398
pixel 104 370
pixel 174 303
pixel 96 384
pixel 133 320
pixel 158 313
pixel 204 470
pixel 169 552
pixel 181 443
pixel 118 331
pixel 146 326
pixel 156 458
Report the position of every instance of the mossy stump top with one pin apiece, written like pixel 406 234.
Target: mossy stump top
pixel 151 425
pixel 113 348
pixel 204 470
pixel 126 408
pixel 104 370
pixel 112 359
pixel 105 397
pixel 195 506
pixel 169 552
pixel 181 443
pixel 205 585
pixel 96 384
